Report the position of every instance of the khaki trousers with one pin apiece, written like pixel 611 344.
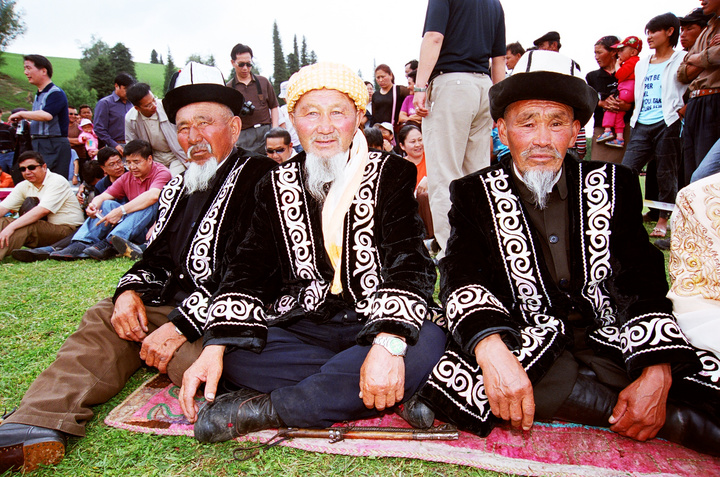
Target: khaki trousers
pixel 91 367
pixel 39 234
pixel 456 135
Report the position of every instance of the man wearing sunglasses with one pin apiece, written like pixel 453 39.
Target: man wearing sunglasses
pixel 264 113
pixel 56 216
pixel 278 145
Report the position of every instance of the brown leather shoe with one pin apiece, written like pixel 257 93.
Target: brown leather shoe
pixel 24 447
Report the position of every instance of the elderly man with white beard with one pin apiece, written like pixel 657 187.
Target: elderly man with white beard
pixel 157 313
pixel 555 298
pixel 326 312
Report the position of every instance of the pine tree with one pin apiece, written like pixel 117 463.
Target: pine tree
pixel 293 59
pixel 121 60
pixel 280 73
pixel 102 77
pixel 154 58
pixel 304 54
pixel 210 60
pixel 170 70
pixel 91 53
pixel 313 57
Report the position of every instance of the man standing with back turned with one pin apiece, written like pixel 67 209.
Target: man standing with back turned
pixel 451 92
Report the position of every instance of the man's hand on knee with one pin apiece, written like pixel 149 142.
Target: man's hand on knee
pixel 382 379
pixel 507 386
pixel 129 318
pixel 159 346
pixel 640 410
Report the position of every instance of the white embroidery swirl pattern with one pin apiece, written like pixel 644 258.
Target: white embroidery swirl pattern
pixel 296 232
pixel 469 299
pixel 596 251
pixel 464 383
pixel 169 196
pixel 203 254
pixel 644 331
pixel 367 259
pixel 398 305
pixel 514 240
pixel 235 309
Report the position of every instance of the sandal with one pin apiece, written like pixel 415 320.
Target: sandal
pixel 606 136
pixel 659 232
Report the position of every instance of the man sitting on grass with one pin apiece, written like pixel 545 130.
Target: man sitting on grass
pixel 56 215
pixel 108 217
pixel 200 213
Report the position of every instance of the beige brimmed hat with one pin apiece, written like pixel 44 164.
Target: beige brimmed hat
pixel 198 83
pixel 327 75
pixel 548 76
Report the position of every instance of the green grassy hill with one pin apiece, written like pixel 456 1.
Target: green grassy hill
pixel 16 92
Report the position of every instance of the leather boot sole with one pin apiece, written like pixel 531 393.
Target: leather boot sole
pixel 29 456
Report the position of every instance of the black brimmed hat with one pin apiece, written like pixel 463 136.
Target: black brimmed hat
pixel 549 36
pixel 197 83
pixel 548 76
pixel 695 17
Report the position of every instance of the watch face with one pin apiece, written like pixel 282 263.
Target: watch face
pixel 396 346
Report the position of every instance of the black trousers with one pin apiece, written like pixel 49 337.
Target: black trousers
pixel 702 129
pixel 312 371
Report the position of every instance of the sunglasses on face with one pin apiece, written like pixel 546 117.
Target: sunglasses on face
pixel 240 64
pixel 279 150
pixel 29 168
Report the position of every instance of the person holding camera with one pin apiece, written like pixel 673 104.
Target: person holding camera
pixel 261 110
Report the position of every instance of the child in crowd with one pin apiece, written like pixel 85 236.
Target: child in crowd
pixel 88 137
pixel 629 49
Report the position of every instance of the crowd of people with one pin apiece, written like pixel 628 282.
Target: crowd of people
pixel 285 253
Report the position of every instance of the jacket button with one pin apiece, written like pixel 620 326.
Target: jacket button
pixel 181 276
pixel 553 238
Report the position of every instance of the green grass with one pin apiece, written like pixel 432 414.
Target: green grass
pixel 15 91
pixel 42 303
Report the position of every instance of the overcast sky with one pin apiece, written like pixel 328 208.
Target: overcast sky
pixel 359 34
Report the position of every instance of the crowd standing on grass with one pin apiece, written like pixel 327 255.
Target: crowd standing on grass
pixel 289 252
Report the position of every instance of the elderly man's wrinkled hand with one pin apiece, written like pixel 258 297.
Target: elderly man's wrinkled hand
pixel 159 346
pixel 507 386
pixel 206 369
pixel 382 379
pixel 640 410
pixel 129 318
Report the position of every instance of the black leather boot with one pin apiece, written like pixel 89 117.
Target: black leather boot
pixel 236 414
pixel 590 403
pixel 416 413
pixel 691 428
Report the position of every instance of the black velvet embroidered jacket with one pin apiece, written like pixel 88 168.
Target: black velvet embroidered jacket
pixel 222 223
pixel 282 272
pixel 495 280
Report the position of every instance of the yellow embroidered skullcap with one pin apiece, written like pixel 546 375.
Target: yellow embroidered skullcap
pixel 327 75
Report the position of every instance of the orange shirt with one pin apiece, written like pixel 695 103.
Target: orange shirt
pixel 421 171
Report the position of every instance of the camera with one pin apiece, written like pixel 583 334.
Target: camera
pixel 247 108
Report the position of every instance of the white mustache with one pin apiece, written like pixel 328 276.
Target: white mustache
pixel 199 147
pixel 535 149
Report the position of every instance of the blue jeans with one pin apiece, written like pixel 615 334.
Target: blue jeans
pixel 710 164
pixel 312 370
pixel 132 227
pixel 661 142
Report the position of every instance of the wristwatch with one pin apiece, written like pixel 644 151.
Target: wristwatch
pixel 395 346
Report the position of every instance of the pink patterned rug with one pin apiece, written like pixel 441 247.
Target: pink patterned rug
pixel 548 449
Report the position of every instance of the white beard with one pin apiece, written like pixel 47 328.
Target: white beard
pixel 540 182
pixel 197 177
pixel 322 172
